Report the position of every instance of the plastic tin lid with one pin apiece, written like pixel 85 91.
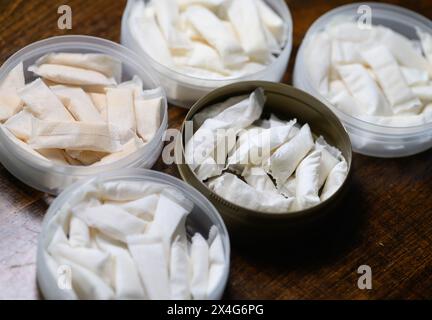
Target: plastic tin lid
pixel 202 217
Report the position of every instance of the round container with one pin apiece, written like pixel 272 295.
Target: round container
pixel 369 138
pixel 52 178
pixel 203 216
pixel 286 103
pixel 184 90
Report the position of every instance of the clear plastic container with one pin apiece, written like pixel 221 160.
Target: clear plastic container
pixel 184 90
pixel 201 219
pixel 52 178
pixel 369 138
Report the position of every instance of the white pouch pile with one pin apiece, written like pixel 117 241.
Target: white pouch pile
pixel 374 74
pixel 128 240
pixel 77 112
pixel 268 165
pixel 209 39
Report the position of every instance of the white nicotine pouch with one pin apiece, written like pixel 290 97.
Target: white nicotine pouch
pixel 71 75
pixel 258 147
pixel 126 280
pixel 86 284
pixel 284 161
pixel 403 50
pixel 179 270
pixel 120 111
pixel 335 180
pixel 148 108
pixel 318 55
pixel 10 102
pixel 257 178
pixel 20 124
pixel 415 76
pixel 391 80
pixel 168 17
pixel 330 157
pixel 208 169
pixel 216 260
pixel 143 208
pixel 79 104
pixel 364 89
pixel 272 21
pixel 235 190
pixel 43 103
pixel 79 233
pixel 127 149
pixel 57 156
pixel 217 34
pixel 122 191
pixel 205 57
pixel 99 101
pixel 154 275
pixel 24 146
pixel 109 66
pixel 145 29
pixel 245 18
pixel 342 98
pixel 231 120
pixel 199 252
pixel 213 110
pixel 345 52
pixel 112 221
pixel 97 137
pixel 92 259
pixel 85 157
pixel 169 221
pixel 307 181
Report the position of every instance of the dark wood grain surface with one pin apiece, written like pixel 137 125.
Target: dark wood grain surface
pixel 386 220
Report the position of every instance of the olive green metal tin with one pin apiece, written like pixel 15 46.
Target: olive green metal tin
pixel 287 103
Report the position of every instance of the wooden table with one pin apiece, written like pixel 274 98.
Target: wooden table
pixel 388 212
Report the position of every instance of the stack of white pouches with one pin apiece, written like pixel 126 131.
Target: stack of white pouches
pixel 77 112
pixel 209 39
pixel 373 73
pixel 128 240
pixel 267 165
